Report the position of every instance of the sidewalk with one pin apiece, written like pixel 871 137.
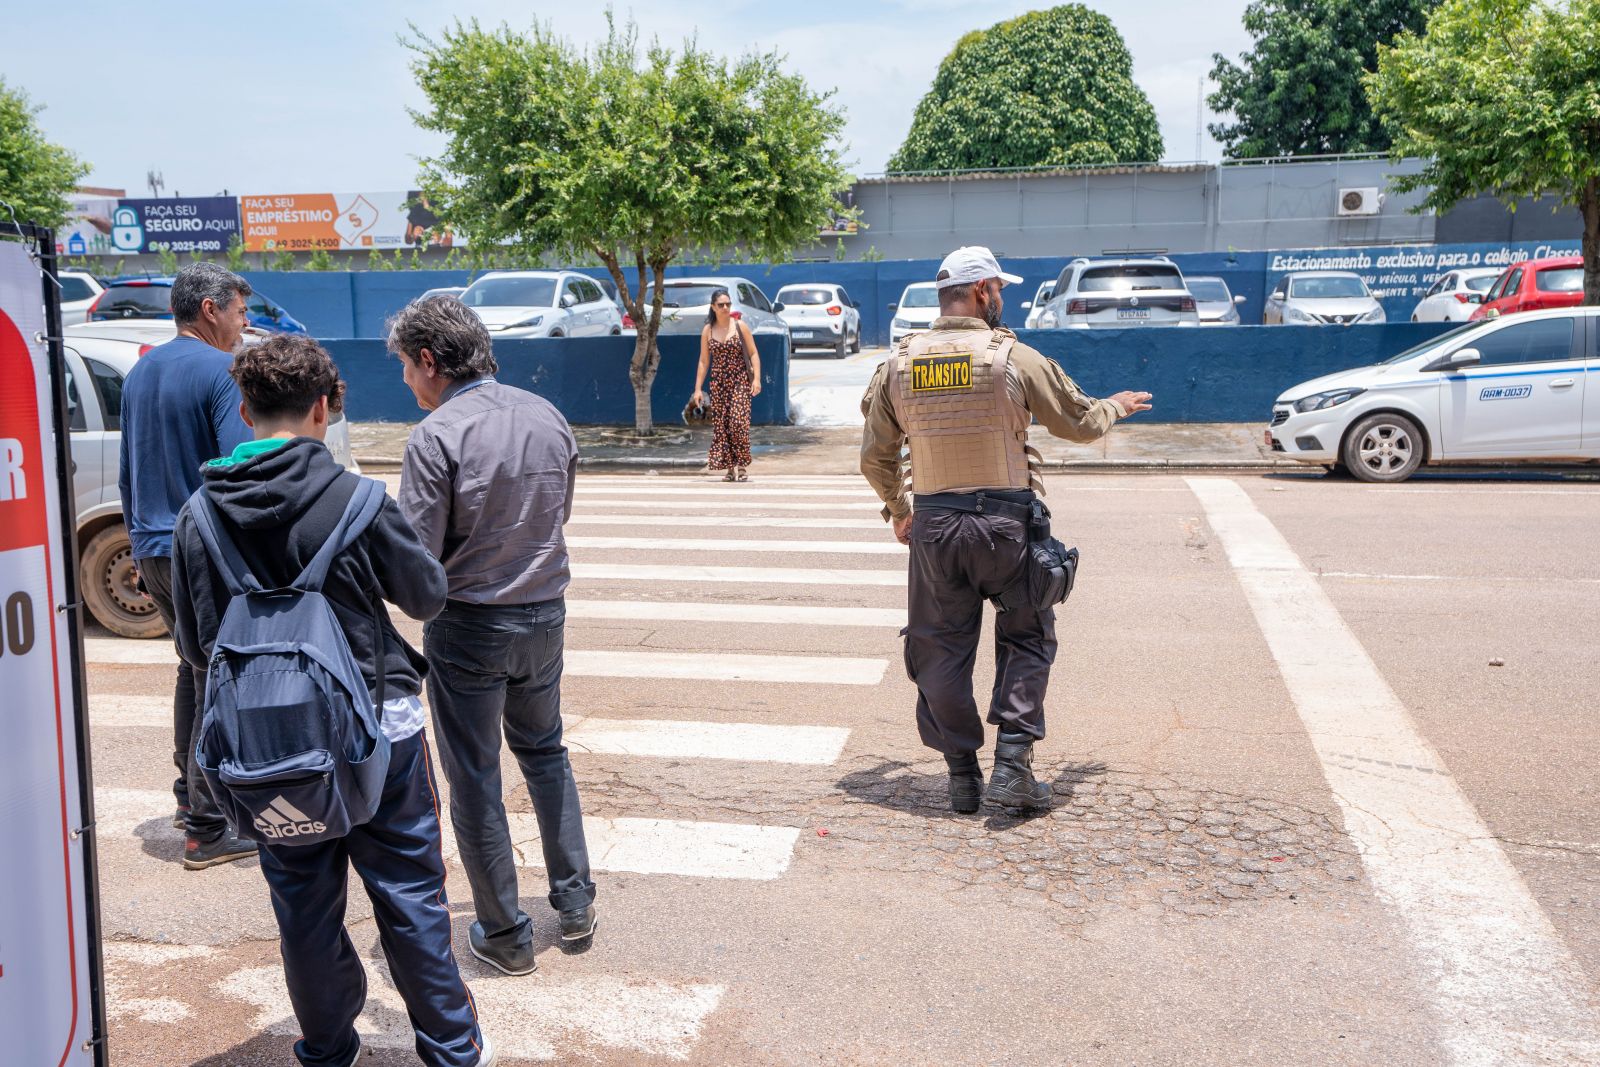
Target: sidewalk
pixel 816 450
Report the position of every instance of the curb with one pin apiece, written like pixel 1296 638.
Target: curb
pixel 685 462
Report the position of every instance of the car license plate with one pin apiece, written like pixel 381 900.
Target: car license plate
pixel 1133 313
pixel 1267 438
pixel 800 335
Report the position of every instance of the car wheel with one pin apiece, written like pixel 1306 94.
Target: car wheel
pixel 855 342
pixel 842 348
pixel 1383 448
pixel 111 588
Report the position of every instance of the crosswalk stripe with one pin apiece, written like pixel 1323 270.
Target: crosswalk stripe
pixel 712 544
pixel 753 507
pixel 799 481
pixel 121 651
pixel 119 709
pixel 725 667
pixel 669 739
pixel 667 846
pixel 758 614
pixel 587 490
pixel 651 572
pixel 738 521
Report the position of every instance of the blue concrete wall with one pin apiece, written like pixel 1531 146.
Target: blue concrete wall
pixel 585 377
pixel 1219 373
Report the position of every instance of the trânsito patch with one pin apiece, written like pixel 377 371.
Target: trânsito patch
pixel 933 373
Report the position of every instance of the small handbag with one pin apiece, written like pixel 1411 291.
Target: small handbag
pixel 697 414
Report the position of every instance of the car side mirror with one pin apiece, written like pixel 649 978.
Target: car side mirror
pixel 778 306
pixel 1239 299
pixel 1461 357
pixel 1474 298
pixel 1027 305
pixel 568 300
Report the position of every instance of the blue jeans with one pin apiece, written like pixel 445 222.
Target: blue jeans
pixel 398 857
pixel 493 671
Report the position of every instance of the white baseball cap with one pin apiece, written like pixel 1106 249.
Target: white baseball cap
pixel 973 263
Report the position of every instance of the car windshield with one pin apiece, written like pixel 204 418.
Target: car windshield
pixel 133 301
pixel 920 296
pixel 1432 342
pixel 805 296
pixel 1209 290
pixel 1129 277
pixel 510 293
pixel 1561 279
pixel 689 296
pixel 1481 284
pixel 1327 288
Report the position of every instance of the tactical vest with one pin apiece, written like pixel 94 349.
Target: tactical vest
pixel 966 431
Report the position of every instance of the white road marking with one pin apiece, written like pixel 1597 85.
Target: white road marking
pixel 117 709
pixel 745 522
pixel 754 507
pixel 725 667
pixel 129 651
pixel 754 614
pixel 540 1018
pixel 649 572
pixel 885 547
pixel 1505 984
pixel 666 846
pixel 671 739
pixel 127 975
pixel 864 495
pixel 1475 578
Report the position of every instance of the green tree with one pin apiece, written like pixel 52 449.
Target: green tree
pixel 320 259
pixel 1050 87
pixel 35 174
pixel 630 155
pixel 1502 97
pixel 284 261
pixel 168 259
pixel 1298 90
pixel 235 253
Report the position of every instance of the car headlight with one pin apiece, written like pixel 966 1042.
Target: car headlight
pixel 1047 320
pixel 1294 314
pixel 1330 399
pixel 532 320
pixel 1375 315
pixel 901 324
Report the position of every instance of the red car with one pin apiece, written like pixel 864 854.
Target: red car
pixel 1536 283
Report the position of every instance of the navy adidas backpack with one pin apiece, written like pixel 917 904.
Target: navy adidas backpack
pixel 290 744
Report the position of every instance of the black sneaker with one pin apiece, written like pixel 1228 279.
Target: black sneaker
pixel 515 960
pixel 198 855
pixel 578 924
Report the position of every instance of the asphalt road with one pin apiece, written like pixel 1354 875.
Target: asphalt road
pixel 1325 756
pixel 825 391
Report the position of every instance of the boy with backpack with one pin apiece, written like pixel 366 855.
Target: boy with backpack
pixel 313 731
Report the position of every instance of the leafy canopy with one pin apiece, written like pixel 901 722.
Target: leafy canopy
pixel 1050 87
pixel 1298 90
pixel 35 174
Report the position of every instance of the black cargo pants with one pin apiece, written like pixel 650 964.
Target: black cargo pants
pixel 958 560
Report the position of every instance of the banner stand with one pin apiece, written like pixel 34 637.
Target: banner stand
pixel 89 1041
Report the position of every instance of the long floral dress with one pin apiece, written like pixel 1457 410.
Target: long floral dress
pixel 730 403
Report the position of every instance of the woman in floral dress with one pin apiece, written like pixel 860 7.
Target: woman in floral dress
pixel 728 351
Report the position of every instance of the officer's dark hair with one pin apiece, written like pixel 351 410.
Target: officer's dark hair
pixel 283 377
pixel 711 308
pixel 953 293
pixel 199 282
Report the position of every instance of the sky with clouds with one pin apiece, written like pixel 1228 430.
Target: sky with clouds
pixel 306 97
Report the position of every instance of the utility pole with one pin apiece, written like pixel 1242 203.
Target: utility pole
pixel 1199 102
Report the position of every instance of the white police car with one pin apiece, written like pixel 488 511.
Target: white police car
pixel 1523 386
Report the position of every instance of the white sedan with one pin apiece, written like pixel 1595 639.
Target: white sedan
pixel 1455 296
pixel 1513 388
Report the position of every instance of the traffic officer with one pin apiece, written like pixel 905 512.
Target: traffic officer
pixel 962 396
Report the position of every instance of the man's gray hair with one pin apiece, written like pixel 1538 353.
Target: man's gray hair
pixel 199 282
pixel 450 331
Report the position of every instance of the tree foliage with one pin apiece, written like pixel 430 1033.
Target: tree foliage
pixel 1298 90
pixel 630 155
pixel 1502 97
pixel 35 174
pixel 1051 87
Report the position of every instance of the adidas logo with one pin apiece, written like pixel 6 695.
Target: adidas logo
pixel 283 819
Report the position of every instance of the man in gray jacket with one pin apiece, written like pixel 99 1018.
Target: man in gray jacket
pixel 487 484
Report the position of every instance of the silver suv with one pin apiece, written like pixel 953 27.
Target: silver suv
pixel 1119 293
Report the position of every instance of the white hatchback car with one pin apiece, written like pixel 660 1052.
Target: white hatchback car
pixel 1455 296
pixel 516 304
pixel 820 315
pixel 1511 388
pixel 79 291
pixel 915 311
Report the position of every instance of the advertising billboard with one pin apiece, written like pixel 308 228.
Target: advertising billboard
pixel 88 228
pixel 204 224
pixel 47 955
pixel 348 222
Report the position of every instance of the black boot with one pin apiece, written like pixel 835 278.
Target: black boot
pixel 966 782
pixel 1013 785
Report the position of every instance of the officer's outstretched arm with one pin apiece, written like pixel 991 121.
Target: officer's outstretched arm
pixel 1060 406
pixel 881 441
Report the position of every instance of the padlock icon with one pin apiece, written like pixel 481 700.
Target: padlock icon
pixel 126 232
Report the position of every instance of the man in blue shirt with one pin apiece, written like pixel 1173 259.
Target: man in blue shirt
pixel 180 408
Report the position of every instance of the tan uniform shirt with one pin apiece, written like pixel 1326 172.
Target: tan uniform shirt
pixel 1035 382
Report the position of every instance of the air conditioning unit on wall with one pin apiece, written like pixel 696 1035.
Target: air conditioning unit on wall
pixel 1360 201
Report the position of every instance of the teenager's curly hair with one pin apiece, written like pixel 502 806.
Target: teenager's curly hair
pixel 283 376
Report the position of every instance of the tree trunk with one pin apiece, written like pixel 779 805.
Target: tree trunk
pixel 642 373
pixel 1589 208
